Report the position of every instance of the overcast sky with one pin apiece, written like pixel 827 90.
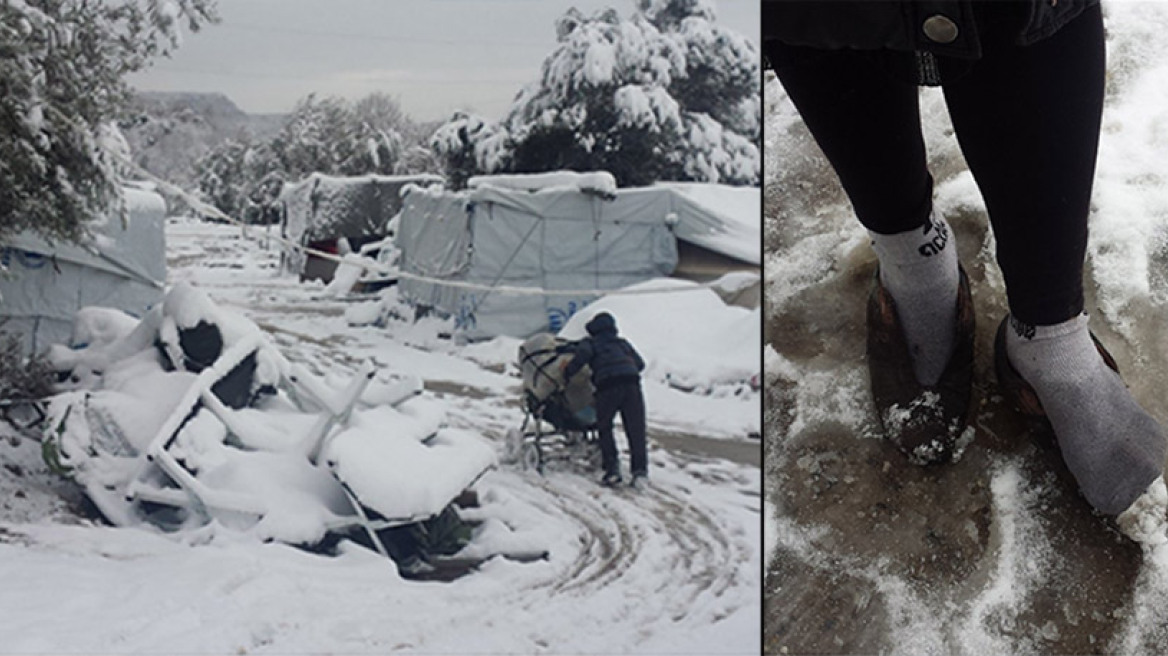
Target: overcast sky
pixel 434 56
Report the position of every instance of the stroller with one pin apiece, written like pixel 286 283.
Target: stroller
pixel 559 421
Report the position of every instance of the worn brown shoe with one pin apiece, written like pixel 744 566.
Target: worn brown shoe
pixel 927 423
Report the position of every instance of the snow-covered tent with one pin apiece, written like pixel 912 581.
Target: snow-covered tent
pixel 321 209
pixel 719 228
pixel 47 283
pixel 585 237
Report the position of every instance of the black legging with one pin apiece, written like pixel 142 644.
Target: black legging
pixel 1027 120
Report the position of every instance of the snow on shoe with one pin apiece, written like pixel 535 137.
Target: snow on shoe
pixel 1146 520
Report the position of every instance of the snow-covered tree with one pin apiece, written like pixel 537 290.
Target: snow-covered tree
pixel 378 120
pixel 315 137
pixel 467 145
pixel 667 94
pixel 417 159
pixel 242 178
pixel 331 135
pixel 62 68
pixel 221 178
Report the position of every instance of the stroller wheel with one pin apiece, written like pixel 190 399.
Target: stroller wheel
pixel 532 457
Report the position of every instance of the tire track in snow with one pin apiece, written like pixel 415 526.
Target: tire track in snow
pixel 656 538
pixel 610 545
pixel 671 544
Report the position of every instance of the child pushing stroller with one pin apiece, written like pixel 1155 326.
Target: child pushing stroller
pixel 616 378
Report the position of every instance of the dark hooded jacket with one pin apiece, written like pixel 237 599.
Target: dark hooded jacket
pixel 940 27
pixel 613 359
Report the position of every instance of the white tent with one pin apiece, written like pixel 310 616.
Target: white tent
pixel 578 237
pixel 45 284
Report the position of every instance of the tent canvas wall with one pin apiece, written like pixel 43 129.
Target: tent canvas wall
pixel 562 238
pixel 553 239
pixel 321 209
pixel 46 284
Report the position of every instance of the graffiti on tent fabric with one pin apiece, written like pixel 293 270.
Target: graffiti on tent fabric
pixel 558 316
pixel 465 319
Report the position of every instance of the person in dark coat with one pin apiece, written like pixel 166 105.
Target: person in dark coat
pixel 1023 82
pixel 616 378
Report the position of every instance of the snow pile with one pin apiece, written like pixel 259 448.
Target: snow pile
pixel 412 471
pixel 689 338
pixel 1128 249
pixel 348 273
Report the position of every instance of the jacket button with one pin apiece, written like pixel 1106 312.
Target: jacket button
pixel 940 29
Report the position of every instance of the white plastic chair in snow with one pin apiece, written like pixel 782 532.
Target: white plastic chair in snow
pixel 164 479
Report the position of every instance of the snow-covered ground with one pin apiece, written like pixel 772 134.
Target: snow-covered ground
pixel 997 553
pixel 673 568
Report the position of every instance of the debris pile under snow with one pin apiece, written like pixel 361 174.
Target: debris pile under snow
pixel 191 416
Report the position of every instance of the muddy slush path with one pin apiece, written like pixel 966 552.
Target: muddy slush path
pixel 997 552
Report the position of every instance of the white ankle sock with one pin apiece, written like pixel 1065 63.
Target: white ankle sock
pixel 919 270
pixel 1113 448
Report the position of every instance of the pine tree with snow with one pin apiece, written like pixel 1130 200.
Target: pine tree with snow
pixel 667 94
pixel 721 110
pixel 62 68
